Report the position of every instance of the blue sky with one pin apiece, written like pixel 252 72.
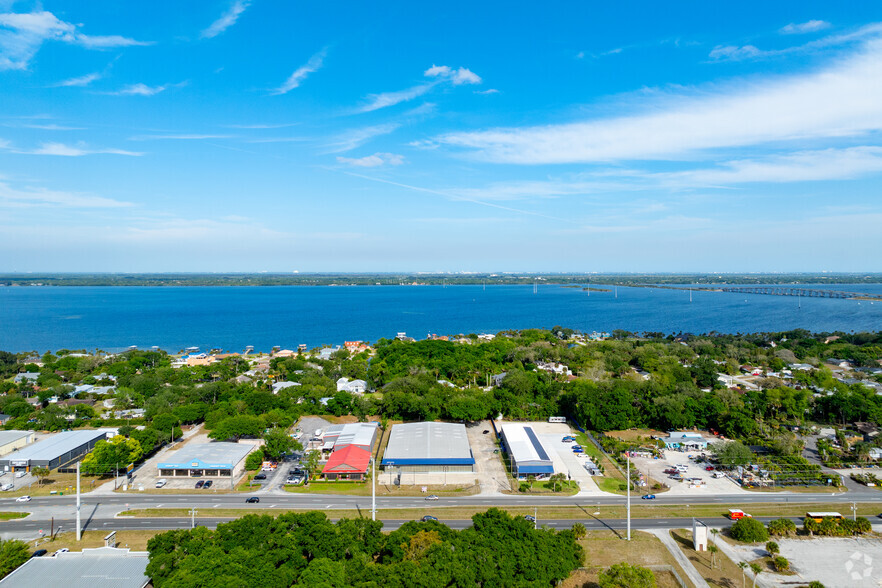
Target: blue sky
pixel 458 136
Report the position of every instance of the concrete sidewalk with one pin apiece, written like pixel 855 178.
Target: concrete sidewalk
pixel 665 536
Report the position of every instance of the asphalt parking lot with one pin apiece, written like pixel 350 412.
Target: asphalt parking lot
pixel 655 468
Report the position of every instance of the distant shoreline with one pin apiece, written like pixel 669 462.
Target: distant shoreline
pixel 421 279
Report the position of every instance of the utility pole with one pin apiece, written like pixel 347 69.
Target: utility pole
pixel 535 518
pixel 79 529
pixel 628 486
pixel 373 489
pixel 853 511
pixel 193 518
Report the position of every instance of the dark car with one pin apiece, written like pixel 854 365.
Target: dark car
pixel 530 518
pixel 207 484
pixel 260 476
pixel 252 500
pixel 200 483
pixel 428 518
pixel 40 553
pixel 648 497
pixel 486 431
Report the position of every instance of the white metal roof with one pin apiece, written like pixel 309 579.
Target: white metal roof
pixel 523 444
pixel 56 445
pixel 428 441
pixel 12 436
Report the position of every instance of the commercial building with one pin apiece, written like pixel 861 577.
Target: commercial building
pixel 350 448
pixel 206 460
pixel 12 440
pixel 337 437
pixel 526 454
pixel 349 463
pixel 428 448
pixel 685 441
pixel 102 567
pixel 56 451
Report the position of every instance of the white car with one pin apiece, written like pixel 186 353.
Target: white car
pixel 62 550
pixel 20 474
pixel 23 499
pixel 161 483
pixel 431 497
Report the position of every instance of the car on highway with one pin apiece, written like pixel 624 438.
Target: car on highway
pixel 648 497
pixel 530 518
pixel 252 500
pixel 431 497
pixel 40 553
pixel 207 484
pixel 23 499
pixel 428 518
pixel 200 484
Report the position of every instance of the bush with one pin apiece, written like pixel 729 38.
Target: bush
pixel 254 460
pixel 782 528
pixel 772 548
pixel 781 564
pixel 623 575
pixel 749 530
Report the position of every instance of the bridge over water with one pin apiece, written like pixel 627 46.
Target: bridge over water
pixel 797 291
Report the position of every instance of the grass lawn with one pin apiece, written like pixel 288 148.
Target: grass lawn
pixel 364 489
pixel 134 540
pixel 543 512
pixel 606 548
pixel 636 435
pixel 56 483
pixel 565 488
pixel 612 481
pixel 8 516
pixel 724 572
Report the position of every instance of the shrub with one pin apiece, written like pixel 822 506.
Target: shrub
pixel 862 525
pixel 782 528
pixel 623 575
pixel 749 530
pixel 772 548
pixel 781 564
pixel 254 460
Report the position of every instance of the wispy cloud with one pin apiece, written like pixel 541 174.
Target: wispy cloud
pixel 178 137
pixel 140 89
pixel 487 92
pixel 262 126
pixel 80 81
pixel 226 20
pixel 78 150
pixel 375 160
pixel 279 140
pixel 440 73
pixel 51 127
pixel 840 100
pixel 26 32
pixel 745 52
pixel 30 197
pixel 357 137
pixel 314 64
pixel 734 52
pixel 804 27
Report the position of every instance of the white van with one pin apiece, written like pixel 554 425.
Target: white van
pixel 161 483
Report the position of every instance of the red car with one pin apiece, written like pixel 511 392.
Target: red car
pixel 709 469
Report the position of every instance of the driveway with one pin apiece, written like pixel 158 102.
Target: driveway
pixel 489 468
pixel 812 454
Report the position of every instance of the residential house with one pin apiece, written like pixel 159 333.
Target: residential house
pixel 351 386
pixel 27 377
pixel 555 368
pixel 279 386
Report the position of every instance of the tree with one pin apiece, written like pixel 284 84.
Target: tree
pixel 254 460
pixel 312 462
pixel 624 575
pixel 756 569
pixel 782 527
pixel 40 472
pixel 236 427
pixel 749 530
pixel 277 442
pixel 732 453
pixel 110 456
pixel 743 566
pixel 781 564
pixel 815 584
pixel 713 549
pixel 13 553
pixel 579 531
pixel 556 480
pixel 772 548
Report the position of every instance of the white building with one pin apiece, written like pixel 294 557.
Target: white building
pixel 351 386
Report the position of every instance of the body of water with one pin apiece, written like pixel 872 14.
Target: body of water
pixel 113 318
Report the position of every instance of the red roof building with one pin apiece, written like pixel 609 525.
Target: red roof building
pixel 349 463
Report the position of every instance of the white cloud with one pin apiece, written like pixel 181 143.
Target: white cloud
pixel 81 80
pixel 733 52
pixel 357 137
pixel 378 101
pixel 29 197
pixel 140 89
pixel 843 99
pixel 181 137
pixel 26 32
pixel 226 20
pixel 51 127
pixel 804 27
pixel 487 92
pixel 375 160
pixel 300 74
pixel 457 76
pixel 79 150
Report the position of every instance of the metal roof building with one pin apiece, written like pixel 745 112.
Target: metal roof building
pixel 103 567
pixel 206 459
pixel 12 440
pixel 363 435
pixel 56 451
pixel 528 456
pixel 429 447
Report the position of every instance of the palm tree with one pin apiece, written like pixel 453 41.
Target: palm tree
pixel 579 530
pixel 743 566
pixel 756 569
pixel 713 551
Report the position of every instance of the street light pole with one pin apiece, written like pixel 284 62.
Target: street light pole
pixel 193 518
pixel 79 529
pixel 373 489
pixel 628 486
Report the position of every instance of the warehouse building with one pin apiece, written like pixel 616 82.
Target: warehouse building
pixel 56 451
pixel 350 448
pixel 526 454
pixel 428 452
pixel 206 460
pixel 337 437
pixel 101 567
pixel 12 440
